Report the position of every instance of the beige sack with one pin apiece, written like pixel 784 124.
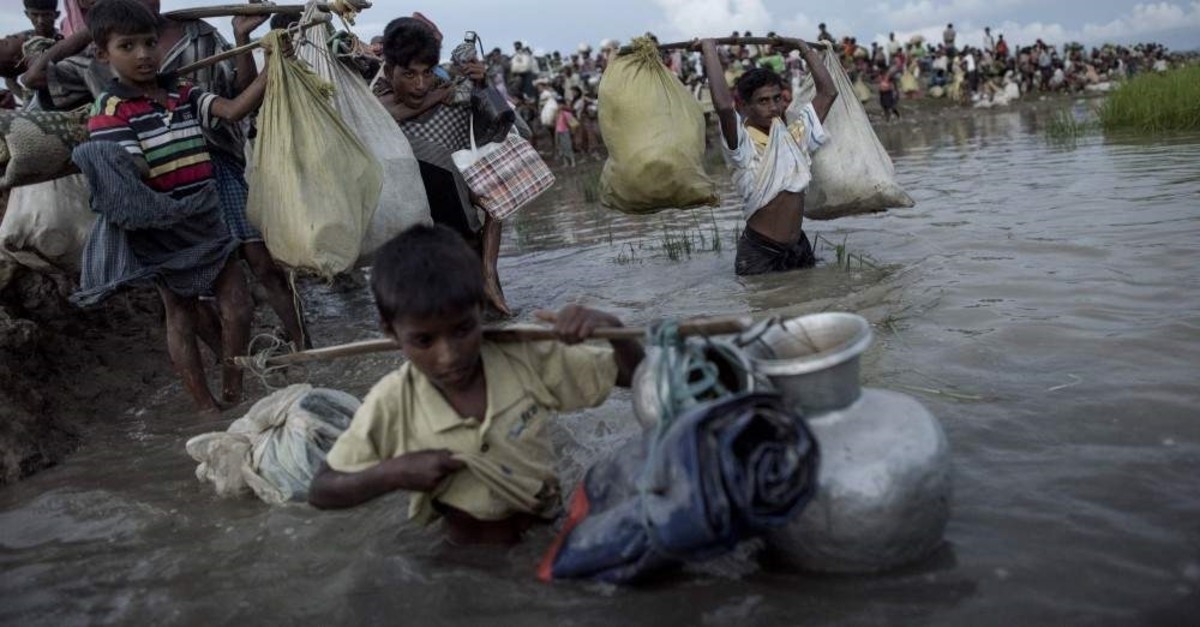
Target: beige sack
pixel 314 186
pixel 654 129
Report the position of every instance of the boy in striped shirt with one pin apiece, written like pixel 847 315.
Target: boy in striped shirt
pixel 157 119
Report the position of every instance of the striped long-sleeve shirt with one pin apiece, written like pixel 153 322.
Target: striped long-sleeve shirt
pixel 170 138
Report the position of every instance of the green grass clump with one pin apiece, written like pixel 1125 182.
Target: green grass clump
pixel 846 259
pixel 1155 102
pixel 1064 127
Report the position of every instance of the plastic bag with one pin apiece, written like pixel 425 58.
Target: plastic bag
pixel 277 447
pixel 47 224
pixel 654 130
pixel 402 201
pixel 852 174
pixel 314 186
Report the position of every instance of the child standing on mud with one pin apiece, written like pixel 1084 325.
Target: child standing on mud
pixel 157 119
pixel 462 424
pixel 770 159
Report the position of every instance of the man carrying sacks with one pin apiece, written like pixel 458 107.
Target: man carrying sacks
pixel 771 159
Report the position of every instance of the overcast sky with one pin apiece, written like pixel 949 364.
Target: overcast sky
pixel 563 25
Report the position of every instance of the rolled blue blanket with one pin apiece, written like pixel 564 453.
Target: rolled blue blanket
pixel 721 473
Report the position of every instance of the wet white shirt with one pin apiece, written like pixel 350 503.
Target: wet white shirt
pixel 784 166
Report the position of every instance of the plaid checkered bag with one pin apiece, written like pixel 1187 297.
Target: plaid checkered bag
pixel 504 175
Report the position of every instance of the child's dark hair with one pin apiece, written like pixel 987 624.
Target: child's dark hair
pixel 407 40
pixel 119 17
pixel 41 5
pixel 755 79
pixel 425 271
pixel 281 21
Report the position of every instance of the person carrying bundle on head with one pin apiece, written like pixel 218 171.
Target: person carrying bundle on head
pixel 770 158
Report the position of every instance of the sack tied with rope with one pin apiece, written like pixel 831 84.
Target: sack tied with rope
pixel 314 186
pixel 402 200
pixel 852 174
pixel 277 447
pixel 654 129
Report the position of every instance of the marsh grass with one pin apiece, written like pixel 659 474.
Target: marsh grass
pixel 1155 103
pixel 625 258
pixel 1064 127
pixel 846 259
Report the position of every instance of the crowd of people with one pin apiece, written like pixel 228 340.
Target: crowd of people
pixel 992 71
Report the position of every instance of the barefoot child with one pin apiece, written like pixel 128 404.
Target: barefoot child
pixel 770 159
pixel 564 125
pixel 157 120
pixel 462 424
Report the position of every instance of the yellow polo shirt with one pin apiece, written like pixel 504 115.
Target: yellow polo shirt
pixel 508 456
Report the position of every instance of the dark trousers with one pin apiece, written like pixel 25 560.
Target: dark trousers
pixel 757 254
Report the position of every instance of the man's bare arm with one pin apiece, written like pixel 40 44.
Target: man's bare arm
pixel 36 76
pixel 826 91
pixel 721 96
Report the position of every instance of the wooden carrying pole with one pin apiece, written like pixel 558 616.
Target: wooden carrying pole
pixel 233 52
pixel 514 333
pixel 785 42
pixel 254 8
pixel 724 41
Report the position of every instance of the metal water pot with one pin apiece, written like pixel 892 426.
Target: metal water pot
pixel 884 484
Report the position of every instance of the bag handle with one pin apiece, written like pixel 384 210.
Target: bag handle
pixel 474 148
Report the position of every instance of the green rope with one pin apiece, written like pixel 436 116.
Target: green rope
pixel 685 378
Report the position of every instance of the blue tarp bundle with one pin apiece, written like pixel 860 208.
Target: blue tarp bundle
pixel 718 474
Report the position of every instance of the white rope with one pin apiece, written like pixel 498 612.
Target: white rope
pixel 262 349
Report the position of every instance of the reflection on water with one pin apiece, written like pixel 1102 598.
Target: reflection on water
pixel 1044 302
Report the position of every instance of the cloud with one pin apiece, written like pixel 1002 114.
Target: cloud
pixel 1144 20
pixel 700 18
pixel 912 15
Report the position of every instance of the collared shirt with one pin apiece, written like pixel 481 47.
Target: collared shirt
pixel 169 138
pixel 783 165
pixel 508 455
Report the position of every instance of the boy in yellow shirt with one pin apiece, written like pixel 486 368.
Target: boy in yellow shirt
pixel 462 424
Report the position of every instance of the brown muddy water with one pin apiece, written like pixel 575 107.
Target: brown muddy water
pixel 1041 299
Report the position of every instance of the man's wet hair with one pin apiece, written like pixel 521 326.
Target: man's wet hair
pixel 407 40
pixel 425 271
pixel 110 18
pixel 755 79
pixel 41 5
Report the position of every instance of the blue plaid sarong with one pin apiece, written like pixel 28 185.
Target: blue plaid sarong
pixel 230 176
pixel 141 236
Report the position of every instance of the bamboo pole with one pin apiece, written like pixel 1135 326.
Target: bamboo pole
pixel 784 42
pixel 240 50
pixel 507 334
pixel 253 8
